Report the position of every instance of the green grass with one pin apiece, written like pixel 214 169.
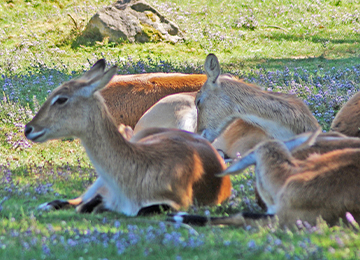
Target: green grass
pixel 42 44
pixel 298 31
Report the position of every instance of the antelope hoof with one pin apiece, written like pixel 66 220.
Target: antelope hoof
pixel 93 205
pixel 54 205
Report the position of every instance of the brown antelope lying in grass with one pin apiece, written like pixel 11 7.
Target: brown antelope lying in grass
pixel 223 99
pixel 173 168
pixel 347 120
pixel 128 97
pixel 323 185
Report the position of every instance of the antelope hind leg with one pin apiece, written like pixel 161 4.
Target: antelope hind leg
pixel 97 188
pixel 60 204
pixel 95 204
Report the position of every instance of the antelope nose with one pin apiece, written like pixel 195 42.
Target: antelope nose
pixel 28 130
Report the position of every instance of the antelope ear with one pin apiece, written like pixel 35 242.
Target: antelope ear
pixel 98 83
pixel 212 67
pixel 95 71
pixel 239 166
pixel 302 140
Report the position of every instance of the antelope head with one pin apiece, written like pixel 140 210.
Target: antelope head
pixel 62 113
pixel 210 110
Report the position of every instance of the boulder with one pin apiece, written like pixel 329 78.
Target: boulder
pixel 133 21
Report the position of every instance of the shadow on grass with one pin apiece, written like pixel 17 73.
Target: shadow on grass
pixel 309 63
pixel 43 78
pixel 279 36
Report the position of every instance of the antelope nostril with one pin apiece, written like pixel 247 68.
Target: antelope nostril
pixel 28 130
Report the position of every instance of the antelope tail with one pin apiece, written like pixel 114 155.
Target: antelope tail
pixel 240 219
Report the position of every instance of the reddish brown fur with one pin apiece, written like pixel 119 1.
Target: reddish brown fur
pixel 206 188
pixel 324 185
pixel 347 120
pixel 128 97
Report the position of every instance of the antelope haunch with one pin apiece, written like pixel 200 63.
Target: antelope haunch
pixel 347 120
pixel 128 97
pixel 323 185
pixel 223 99
pixel 173 111
pixel 173 168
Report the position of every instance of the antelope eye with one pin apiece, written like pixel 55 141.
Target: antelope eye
pixel 61 100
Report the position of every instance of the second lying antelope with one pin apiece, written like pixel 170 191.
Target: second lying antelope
pixel 223 99
pixel 173 168
pixel 323 185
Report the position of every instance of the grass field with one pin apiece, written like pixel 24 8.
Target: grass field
pixel 309 48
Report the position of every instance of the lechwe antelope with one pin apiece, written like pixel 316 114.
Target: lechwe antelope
pixel 347 120
pixel 223 99
pixel 323 185
pixel 173 168
pixel 128 97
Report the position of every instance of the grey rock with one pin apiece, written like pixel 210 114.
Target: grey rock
pixel 133 21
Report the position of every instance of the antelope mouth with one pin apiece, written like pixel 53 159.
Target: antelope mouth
pixel 37 136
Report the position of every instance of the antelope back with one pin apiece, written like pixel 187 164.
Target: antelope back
pixel 173 111
pixel 326 142
pixel 222 99
pixel 347 120
pixel 129 97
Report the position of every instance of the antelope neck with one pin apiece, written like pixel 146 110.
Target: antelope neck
pixel 107 149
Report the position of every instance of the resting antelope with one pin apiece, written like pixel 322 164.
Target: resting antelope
pixel 128 97
pixel 173 168
pixel 347 120
pixel 323 185
pixel 223 99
